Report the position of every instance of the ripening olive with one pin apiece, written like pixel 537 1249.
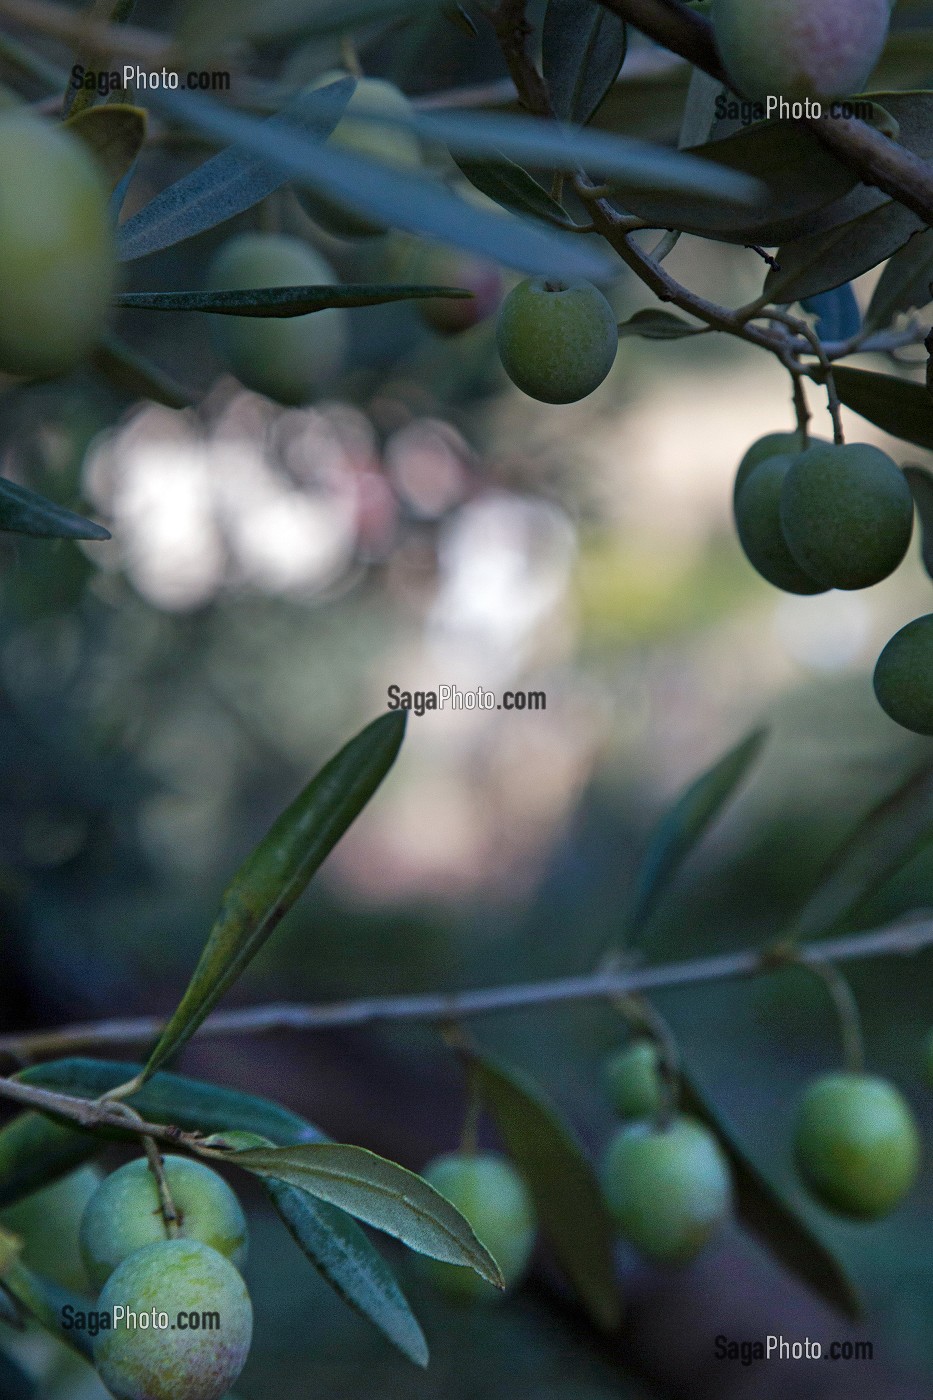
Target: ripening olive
pixel 448 267
pixel 856 1144
pixel 377 141
pixel 758 523
pixel 847 514
pixel 154 1360
pixel 633 1080
pixel 490 1194
pixel 48 1222
pixel 557 342
pixel 287 358
pixel 771 445
pixel 668 1188
pixel 799 49
pixel 904 676
pixel 57 252
pixel 124 1214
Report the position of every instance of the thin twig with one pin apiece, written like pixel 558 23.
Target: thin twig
pixel 166 1204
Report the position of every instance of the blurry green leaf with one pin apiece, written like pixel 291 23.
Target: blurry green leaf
pixel 879 846
pixel 838 314
pixel 114 133
pixel 905 283
pixel 512 187
pixel 230 182
pixel 699 109
pixel 766 1214
pixel 271 879
pixel 14 1382
pixel 25 512
pixel 818 264
pixel 44 1301
pixel 899 406
pixel 10 1248
pixel 134 374
pixel 921 486
pixel 10 1313
pixel 207 24
pixel 582 50
pixel 658 325
pixel 283 301
pixel 35 1152
pixel 684 825
pixel 567 1196
pixel 412 201
pixel 381 1193
pixel 339 1249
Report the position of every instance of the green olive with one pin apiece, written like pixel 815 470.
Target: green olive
pixel 57 253
pixel 847 514
pixel 771 445
pixel 904 676
pixel 377 141
pixel 856 1144
pixel 287 358
pixel 490 1194
pixel 669 1189
pixel 556 342
pixel 799 49
pixel 633 1080
pixel 758 523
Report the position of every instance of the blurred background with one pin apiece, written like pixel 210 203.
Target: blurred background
pixel 272 571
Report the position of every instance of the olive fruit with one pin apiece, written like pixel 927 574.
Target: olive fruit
pixel 758 523
pixel 378 141
pixel 669 1189
pixel 57 253
pixel 771 445
pixel 287 358
pixel 448 267
pixel 124 1214
pixel 557 341
pixel 48 1222
pixel 160 1355
pixel 799 49
pixel 847 514
pixel 633 1080
pixel 856 1144
pixel 490 1194
pixel 904 676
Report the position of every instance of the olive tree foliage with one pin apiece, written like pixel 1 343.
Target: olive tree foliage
pixel 557 169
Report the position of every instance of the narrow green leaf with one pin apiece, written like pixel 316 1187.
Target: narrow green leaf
pixel 827 260
pixel 699 115
pixel 230 182
pixel 899 406
pixel 414 201
pixel 567 1197
pixel 920 482
pixel 766 1214
pixel 684 825
pixel 512 187
pixel 879 845
pixel 339 1249
pixel 14 1382
pixel 207 24
pixel 284 301
pixel 582 49
pixel 905 283
pixel 35 1152
pixel 25 512
pixel 134 374
pixel 115 134
pixel 658 325
pixel 44 1301
pixel 271 879
pixel 10 1249
pixel 379 1192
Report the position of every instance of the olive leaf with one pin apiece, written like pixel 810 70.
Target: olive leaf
pixel 920 482
pixel 881 843
pixel 206 24
pixel 686 822
pixel 274 875
pixel 134 374
pixel 379 1192
pixel 582 49
pixel 659 325
pixel 899 406
pixel 825 260
pixel 838 313
pixel 10 1250
pixel 766 1214
pixel 115 134
pixel 284 301
pixel 905 282
pixel 36 1151
pixel 512 187
pixel 568 1201
pixel 14 1382
pixel 44 1301
pixel 25 512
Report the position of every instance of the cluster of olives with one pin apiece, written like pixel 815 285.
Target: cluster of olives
pixel 834 516
pixel 668 1183
pixel 133 1264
